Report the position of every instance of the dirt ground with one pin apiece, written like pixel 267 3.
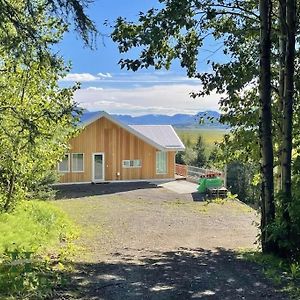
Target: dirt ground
pixel 144 242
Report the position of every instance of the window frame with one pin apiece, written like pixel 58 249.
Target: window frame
pixel 133 166
pixel 73 171
pixel 69 164
pixel 166 154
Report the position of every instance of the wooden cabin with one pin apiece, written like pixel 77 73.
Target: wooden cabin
pixel 108 150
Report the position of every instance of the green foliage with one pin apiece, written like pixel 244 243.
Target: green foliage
pixel 287 234
pixel 240 182
pixel 179 158
pixel 198 145
pixel 34 245
pixel 231 196
pixel 32 227
pixel 39 184
pixel 23 23
pixel 282 272
pixel 23 276
pixel 189 156
pixel 37 117
pixel 295 270
pixel 30 104
pixel 199 148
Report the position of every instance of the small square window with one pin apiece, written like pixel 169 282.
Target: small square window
pixel 134 163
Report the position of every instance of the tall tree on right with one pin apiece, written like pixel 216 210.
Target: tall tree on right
pixel 265 124
pixel 288 27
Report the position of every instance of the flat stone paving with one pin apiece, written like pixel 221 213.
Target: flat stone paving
pixel 180 186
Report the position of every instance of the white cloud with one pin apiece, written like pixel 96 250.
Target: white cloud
pixel 131 78
pixel 159 99
pixel 104 75
pixel 81 77
pixel 85 77
pixel 94 88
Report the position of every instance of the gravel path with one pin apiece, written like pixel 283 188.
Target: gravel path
pixel 143 242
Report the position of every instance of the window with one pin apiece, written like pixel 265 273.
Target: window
pixel 77 162
pixel 161 162
pixel 64 164
pixel 135 163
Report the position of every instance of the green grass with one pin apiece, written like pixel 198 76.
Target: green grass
pixel 35 240
pixel 285 274
pixel 210 136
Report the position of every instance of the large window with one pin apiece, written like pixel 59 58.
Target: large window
pixel 134 163
pixel 64 164
pixel 161 162
pixel 77 162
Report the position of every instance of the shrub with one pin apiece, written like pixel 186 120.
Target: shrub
pixel 34 243
pixel 283 272
pixel 39 184
pixel 33 226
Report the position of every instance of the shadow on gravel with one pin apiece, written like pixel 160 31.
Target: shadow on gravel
pixel 87 190
pixel 182 274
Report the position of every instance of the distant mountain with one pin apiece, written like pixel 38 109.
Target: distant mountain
pixel 209 119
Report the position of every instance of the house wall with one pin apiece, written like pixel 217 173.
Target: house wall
pixel 117 144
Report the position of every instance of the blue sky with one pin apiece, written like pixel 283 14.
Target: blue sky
pixel 106 87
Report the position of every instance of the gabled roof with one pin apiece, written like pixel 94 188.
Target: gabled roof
pixel 161 137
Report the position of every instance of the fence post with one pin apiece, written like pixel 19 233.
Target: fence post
pixel 225 176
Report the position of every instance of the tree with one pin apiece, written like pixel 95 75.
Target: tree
pixel 265 125
pixel 199 148
pixel 179 158
pixel 240 182
pixel 189 156
pixel 31 104
pixel 37 117
pixel 289 36
pixel 20 21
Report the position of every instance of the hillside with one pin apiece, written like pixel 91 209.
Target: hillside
pixel 210 119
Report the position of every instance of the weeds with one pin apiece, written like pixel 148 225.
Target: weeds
pixel 281 272
pixel 35 250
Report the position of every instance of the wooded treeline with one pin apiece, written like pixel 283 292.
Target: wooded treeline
pixel 260 80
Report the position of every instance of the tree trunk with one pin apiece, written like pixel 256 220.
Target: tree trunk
pixel 265 126
pixel 288 108
pixel 11 186
pixel 282 53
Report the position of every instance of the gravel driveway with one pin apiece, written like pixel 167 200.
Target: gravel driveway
pixel 145 242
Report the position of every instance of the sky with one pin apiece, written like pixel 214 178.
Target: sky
pixel 104 86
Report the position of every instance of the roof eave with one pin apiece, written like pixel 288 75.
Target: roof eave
pixel 174 149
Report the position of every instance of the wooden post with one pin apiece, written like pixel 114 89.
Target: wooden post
pixel 225 176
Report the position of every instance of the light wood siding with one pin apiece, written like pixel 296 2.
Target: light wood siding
pixel 117 144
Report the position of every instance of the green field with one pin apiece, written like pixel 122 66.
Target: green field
pixel 210 136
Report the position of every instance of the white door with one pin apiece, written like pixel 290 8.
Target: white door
pixel 98 167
